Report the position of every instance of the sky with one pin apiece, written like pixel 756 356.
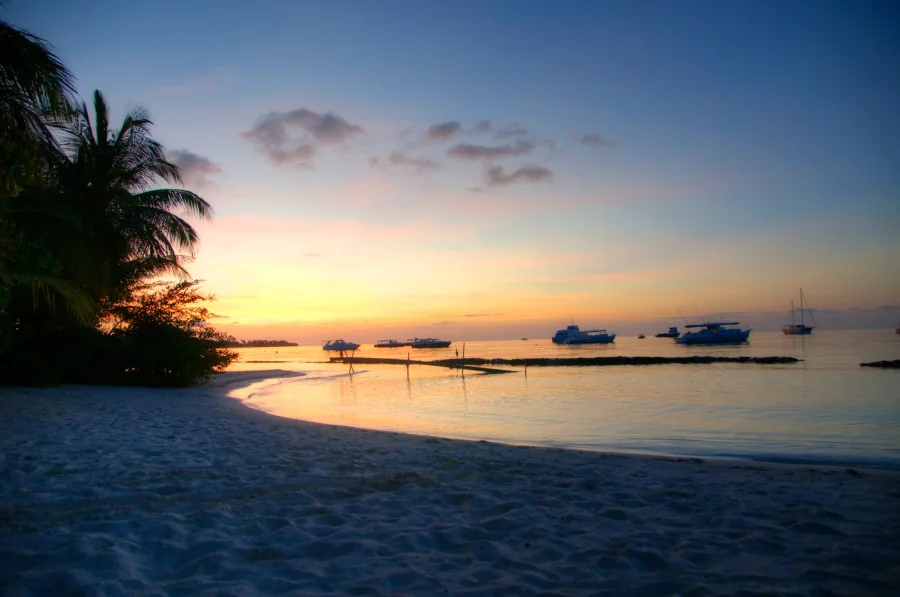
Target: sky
pixel 497 169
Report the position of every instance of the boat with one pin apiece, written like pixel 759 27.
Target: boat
pixel 340 345
pixel 799 329
pixel 429 343
pixel 672 333
pixel 641 336
pixel 391 344
pixel 713 333
pixel 575 335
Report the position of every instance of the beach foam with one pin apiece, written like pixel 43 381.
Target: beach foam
pixel 170 492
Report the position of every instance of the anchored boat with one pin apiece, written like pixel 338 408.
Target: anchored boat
pixel 340 345
pixel 429 343
pixel 713 333
pixel 799 329
pixel 672 333
pixel 575 335
pixel 391 344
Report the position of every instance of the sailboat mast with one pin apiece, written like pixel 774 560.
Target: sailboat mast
pixel 802 320
pixel 793 322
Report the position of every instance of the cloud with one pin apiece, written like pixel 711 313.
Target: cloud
pixel 498 177
pixel 482 126
pixel 418 164
pixel 195 169
pixel 398 158
pixel 513 130
pixel 487 152
pixel 596 140
pixel 443 131
pixel 272 135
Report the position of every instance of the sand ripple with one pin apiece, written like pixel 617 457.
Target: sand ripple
pixel 151 492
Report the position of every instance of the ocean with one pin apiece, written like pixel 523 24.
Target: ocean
pixel 826 409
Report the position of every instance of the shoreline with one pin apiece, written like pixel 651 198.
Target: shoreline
pixel 182 491
pixel 252 377
pixel 676 447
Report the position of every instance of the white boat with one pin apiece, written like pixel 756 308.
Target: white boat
pixel 799 329
pixel 391 344
pixel 575 335
pixel 713 333
pixel 340 345
pixel 429 343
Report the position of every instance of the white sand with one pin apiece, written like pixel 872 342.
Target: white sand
pixel 112 491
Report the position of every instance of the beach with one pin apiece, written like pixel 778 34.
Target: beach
pixel 137 491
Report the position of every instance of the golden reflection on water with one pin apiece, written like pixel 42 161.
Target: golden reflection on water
pixel 825 405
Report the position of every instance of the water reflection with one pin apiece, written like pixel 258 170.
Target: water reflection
pixel 826 404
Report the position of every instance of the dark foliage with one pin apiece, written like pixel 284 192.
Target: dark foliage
pixel 159 336
pixel 84 221
pixel 162 337
pixel 235 343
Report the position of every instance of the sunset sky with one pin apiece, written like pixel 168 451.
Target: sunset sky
pixel 495 169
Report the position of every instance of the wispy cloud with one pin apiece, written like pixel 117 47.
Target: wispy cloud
pixel 398 158
pixel 482 127
pixel 497 176
pixel 443 131
pixel 195 169
pixel 597 140
pixel 489 152
pixel 293 138
pixel 513 130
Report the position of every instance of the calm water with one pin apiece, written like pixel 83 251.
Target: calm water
pixel 826 408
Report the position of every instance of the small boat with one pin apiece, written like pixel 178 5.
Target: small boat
pixel 575 335
pixel 429 343
pixel 713 333
pixel 391 344
pixel 672 333
pixel 340 345
pixel 799 329
pixel 641 336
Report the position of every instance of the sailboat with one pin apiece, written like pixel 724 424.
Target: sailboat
pixel 799 329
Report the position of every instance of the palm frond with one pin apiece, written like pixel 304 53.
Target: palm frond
pixel 187 201
pixel 50 288
pixel 30 69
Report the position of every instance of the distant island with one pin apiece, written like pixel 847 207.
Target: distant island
pixel 234 343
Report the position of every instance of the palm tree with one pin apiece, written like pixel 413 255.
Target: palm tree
pixel 110 179
pixel 36 91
